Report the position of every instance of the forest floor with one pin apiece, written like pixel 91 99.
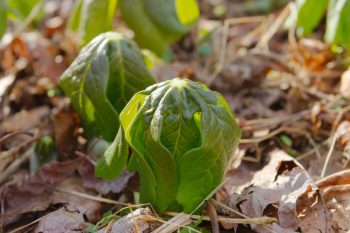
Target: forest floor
pixel 289 95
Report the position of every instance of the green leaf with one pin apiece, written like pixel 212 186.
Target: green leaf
pixel 154 22
pixel 220 136
pixel 3 19
pixel 43 153
pixel 96 17
pixel 310 13
pixel 74 18
pixel 184 136
pixel 286 140
pixel 98 146
pixel 338 23
pixel 187 11
pixel 22 7
pixel 163 14
pixel 133 162
pixel 146 33
pixel 147 145
pixel 113 162
pixel 102 79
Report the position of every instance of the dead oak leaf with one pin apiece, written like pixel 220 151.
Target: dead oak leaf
pixel 282 189
pixel 62 220
pixel 335 190
pixel 36 194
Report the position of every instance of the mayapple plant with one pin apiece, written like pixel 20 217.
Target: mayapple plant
pixel 182 136
pixel 101 80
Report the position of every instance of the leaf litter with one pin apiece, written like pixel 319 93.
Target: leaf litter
pixel 295 83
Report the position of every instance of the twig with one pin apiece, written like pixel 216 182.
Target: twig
pixel 109 226
pixel 337 120
pixel 173 224
pixel 18 148
pixel 33 222
pixel 15 165
pixel 94 198
pixel 85 156
pixel 213 215
pixel 264 122
pixel 258 221
pixel 223 44
pixel 268 228
pixel 311 151
pixel 229 208
pixel 12 134
pixel 136 226
pixel 279 130
pixel 329 155
pixel 281 18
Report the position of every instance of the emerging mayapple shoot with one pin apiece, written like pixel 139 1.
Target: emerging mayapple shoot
pixel 182 136
pixel 106 74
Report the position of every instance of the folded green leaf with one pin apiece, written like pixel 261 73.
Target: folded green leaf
pixel 338 23
pixel 156 23
pixel 74 17
pixel 113 162
pixel 187 11
pixel 163 14
pixel 102 79
pixel 22 7
pixel 96 16
pixel 184 136
pixel 310 13
pixel 3 19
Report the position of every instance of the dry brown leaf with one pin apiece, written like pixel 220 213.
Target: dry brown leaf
pixel 164 71
pixel 258 103
pixel 174 224
pixel 14 49
pixel 312 53
pixel 44 55
pixel 335 190
pixel 63 220
pixel 24 120
pixel 345 84
pixel 35 193
pixel 20 204
pixel 135 222
pixel 343 134
pixel 77 211
pixel 249 70
pixel 64 123
pixel 86 170
pixel 5 82
pixel 38 193
pixel 282 189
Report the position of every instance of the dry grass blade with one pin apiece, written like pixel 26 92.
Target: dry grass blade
pixel 175 223
pixel 21 229
pixel 329 155
pixel 223 43
pixel 278 22
pixel 281 129
pixel 13 134
pixel 268 228
pixel 258 221
pixel 15 165
pixel 91 197
pixel 213 215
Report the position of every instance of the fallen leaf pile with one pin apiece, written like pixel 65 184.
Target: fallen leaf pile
pixel 283 190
